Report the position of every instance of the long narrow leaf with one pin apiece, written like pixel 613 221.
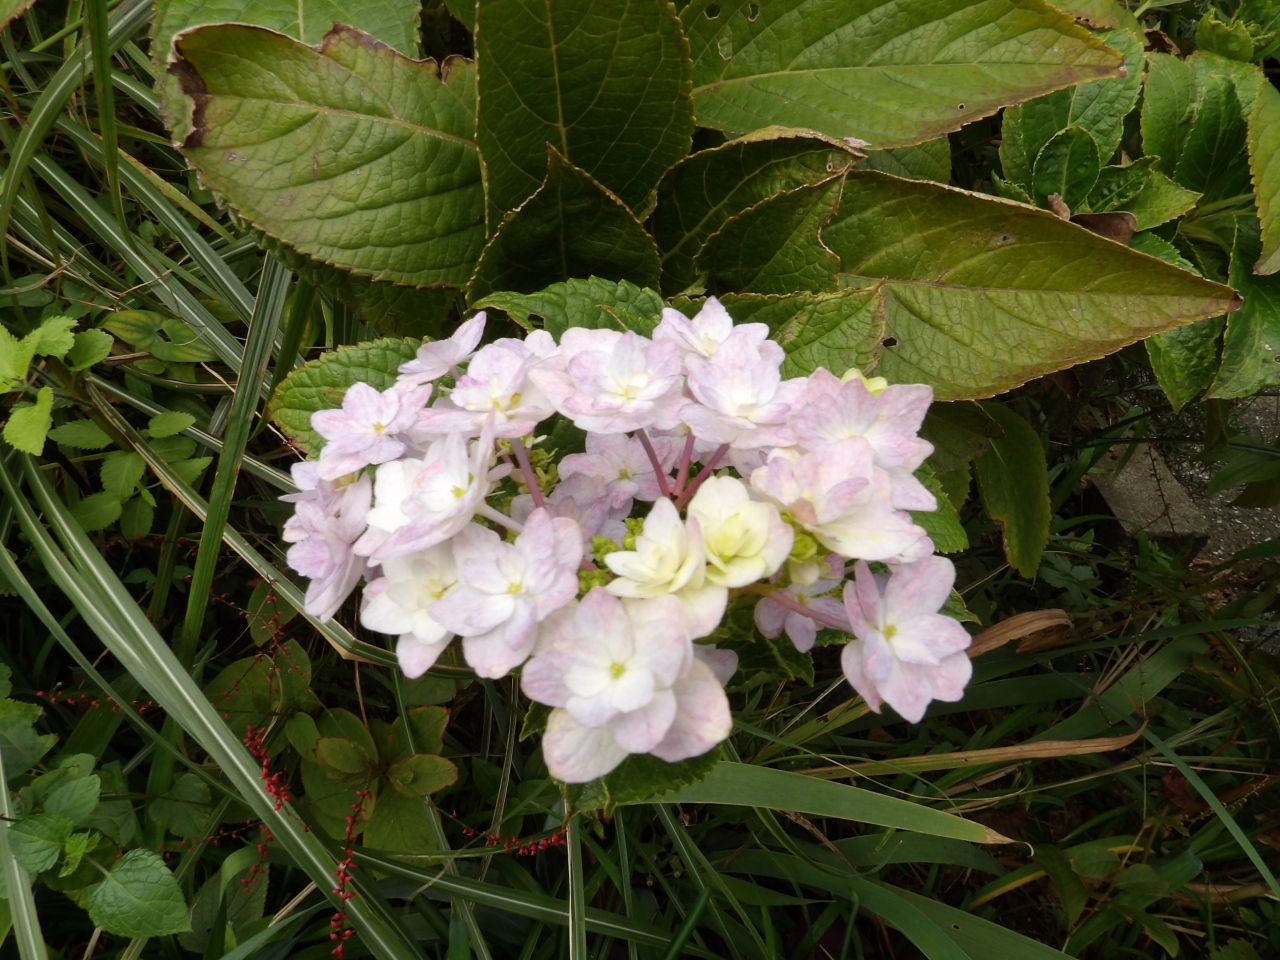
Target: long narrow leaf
pixel 126 632
pixel 740 784
pixel 22 904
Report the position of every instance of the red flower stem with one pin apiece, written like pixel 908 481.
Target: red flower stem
pixel 686 458
pixel 663 485
pixel 522 457
pixel 706 472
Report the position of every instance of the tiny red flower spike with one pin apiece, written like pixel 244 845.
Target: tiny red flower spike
pixel 342 872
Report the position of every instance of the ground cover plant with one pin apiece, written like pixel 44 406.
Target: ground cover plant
pixel 488 480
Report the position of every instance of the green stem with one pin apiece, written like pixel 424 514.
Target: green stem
pixel 577 893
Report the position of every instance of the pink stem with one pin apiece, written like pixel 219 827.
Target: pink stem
pixel 663 485
pixel 786 600
pixel 706 472
pixel 686 458
pixel 522 457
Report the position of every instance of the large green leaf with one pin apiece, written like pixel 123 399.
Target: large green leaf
pixel 924 161
pixel 741 784
pixel 703 191
pixel 775 246
pixel 591 303
pixel 1251 345
pixel 838 331
pixel 983 294
pixel 606 82
pixel 321 384
pixel 1098 108
pixel 1213 160
pixel 394 22
pixel 1264 161
pixel 1168 107
pixel 348 152
pixel 572 227
pixel 891 74
pixel 1014 480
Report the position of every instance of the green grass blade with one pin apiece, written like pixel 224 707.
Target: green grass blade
pixel 687 927
pixel 134 642
pixel 884 902
pixel 257 354
pixel 577 897
pixel 740 784
pixel 129 19
pixel 104 92
pixel 22 903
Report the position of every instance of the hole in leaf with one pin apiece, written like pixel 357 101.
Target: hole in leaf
pixel 724 46
pixel 712 11
pixel 959 106
pixel 753 11
pixel 890 341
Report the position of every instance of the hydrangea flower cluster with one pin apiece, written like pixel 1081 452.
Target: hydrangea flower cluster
pixel 791 493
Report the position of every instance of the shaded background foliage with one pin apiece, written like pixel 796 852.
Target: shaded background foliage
pixel 194 767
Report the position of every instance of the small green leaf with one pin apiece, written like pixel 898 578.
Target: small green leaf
pixel 775 246
pixel 75 799
pixel 1014 480
pixel 1142 879
pixel 96 511
pixel 15 358
pixel 29 423
pixel 427 726
pixel 1095 862
pixel 302 733
pixel 959 432
pixel 81 434
pixel 1235 950
pixel 924 161
pixel 267 612
pixel 1251 344
pixel 606 84
pixel 165 338
pixel 53 338
pixel 942 525
pixel 422 775
pixel 138 898
pixel 190 470
pixel 244 693
pixel 1264 161
pixel 184 808
pixel 641 778
pixel 1160 933
pixel 702 192
pixel 321 384
pixel 892 74
pixel 1067 167
pixel 593 303
pixel 1119 186
pixel 1159 201
pixel 36 841
pixel 136 517
pixel 400 200
pixel 173 449
pixel 572 227
pixel 343 760
pixel 1214 160
pixel 77 845
pixel 1168 109
pixel 399 824
pixel 168 424
pixel 1227 39
pixel 1073 894
pixel 90 347
pixel 122 471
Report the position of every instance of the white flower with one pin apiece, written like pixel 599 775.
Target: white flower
pixel 496 383
pixel 740 397
pixel 364 429
pixel 743 540
pixel 708 331
pixel 668 558
pixel 323 530
pixel 611 382
pixel 906 653
pixel 397 604
pixel 438 357
pixel 624 679
pixel 505 589
pixel 840 497
pixel 620 461
pixel 419 503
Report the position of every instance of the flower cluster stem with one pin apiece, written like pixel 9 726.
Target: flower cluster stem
pixel 687 495
pixel 522 458
pixel 664 484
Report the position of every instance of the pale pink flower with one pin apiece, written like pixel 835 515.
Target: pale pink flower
pixel 583 499
pixel 419 503
pixel 496 383
pixel 363 430
pixel 740 397
pixel 708 331
pixel 840 497
pixel 505 589
pixel 322 532
pixel 621 462
pixel 906 653
pixel 772 617
pixel 611 382
pixel 397 603
pixel 624 679
pixel 438 357
pixel 889 421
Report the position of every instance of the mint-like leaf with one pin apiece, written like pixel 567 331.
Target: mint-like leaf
pixel 138 898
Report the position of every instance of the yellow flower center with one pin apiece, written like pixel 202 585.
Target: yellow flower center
pixel 617 669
